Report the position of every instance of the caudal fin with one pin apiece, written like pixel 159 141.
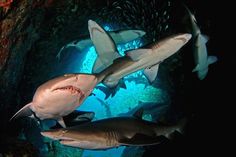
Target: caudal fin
pixel 181 125
pixel 168 130
pixel 190 13
pixel 23 112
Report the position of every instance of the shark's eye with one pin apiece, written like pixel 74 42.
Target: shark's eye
pixel 63 132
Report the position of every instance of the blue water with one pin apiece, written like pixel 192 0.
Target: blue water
pixel 138 89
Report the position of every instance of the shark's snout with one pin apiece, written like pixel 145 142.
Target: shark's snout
pixel 91 23
pixel 183 37
pixel 49 135
pixel 188 36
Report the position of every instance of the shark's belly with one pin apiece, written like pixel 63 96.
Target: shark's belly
pixel 95 139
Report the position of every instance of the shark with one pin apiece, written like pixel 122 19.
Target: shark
pixel 114 132
pixel 113 67
pixel 119 37
pixel 202 60
pixel 60 96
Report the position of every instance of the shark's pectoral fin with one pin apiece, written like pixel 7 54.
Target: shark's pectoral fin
pixel 105 90
pixel 61 122
pixel 111 84
pixel 196 68
pixel 122 83
pixel 151 72
pixel 23 112
pixel 205 38
pixel 137 54
pixel 112 87
pixel 141 139
pixel 211 59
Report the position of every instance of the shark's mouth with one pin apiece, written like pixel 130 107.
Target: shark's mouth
pixel 71 89
pixel 68 141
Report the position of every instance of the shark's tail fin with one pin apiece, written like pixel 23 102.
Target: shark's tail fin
pixel 23 112
pixel 181 125
pixel 170 130
pixel 104 45
pixel 190 13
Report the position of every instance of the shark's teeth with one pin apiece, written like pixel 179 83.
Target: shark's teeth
pixel 71 89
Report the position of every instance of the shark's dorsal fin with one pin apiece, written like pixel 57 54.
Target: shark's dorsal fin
pixel 104 45
pixel 151 72
pixel 122 83
pixel 111 89
pixel 211 59
pixel 61 122
pixel 140 102
pixel 23 112
pixel 98 65
pixel 196 68
pixel 138 53
pixel 190 13
pixel 139 113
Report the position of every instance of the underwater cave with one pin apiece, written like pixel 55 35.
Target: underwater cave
pixel 38 42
